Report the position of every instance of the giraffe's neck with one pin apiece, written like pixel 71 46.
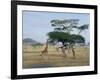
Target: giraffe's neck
pixel 46 45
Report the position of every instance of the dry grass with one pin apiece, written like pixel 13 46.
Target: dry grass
pixel 32 59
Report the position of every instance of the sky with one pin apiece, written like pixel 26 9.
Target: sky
pixel 36 24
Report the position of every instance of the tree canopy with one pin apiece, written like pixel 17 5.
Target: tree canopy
pixel 63 28
pixel 65 37
pixel 64 25
pixel 68 25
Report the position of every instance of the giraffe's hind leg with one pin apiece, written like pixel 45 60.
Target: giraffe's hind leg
pixel 42 52
pixel 64 53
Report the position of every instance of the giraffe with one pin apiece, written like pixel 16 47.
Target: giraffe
pixel 45 50
pixel 58 46
pixel 65 47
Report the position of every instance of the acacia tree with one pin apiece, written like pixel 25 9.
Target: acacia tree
pixel 62 32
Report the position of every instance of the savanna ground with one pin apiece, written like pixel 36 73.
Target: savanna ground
pixel 31 57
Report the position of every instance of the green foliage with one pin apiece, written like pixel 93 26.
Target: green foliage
pixel 76 39
pixel 65 37
pixel 64 25
pixel 82 28
pixel 62 31
pixel 57 36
